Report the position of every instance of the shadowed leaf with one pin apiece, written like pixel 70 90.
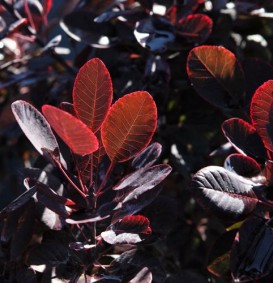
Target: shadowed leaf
pixel 242 165
pixel 216 75
pixel 92 93
pixel 244 137
pixel 80 139
pixel 129 126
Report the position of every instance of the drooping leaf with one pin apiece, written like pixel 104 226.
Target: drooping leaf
pixel 80 139
pixel 216 75
pixel 148 156
pixel 242 165
pixel 129 126
pixel 147 177
pixel 195 28
pixel 92 93
pixel 252 253
pixel 223 193
pixel 261 110
pixel 35 127
pixel 244 137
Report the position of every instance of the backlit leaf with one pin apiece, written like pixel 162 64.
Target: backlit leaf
pixel 129 126
pixel 216 75
pixel 80 139
pixel 244 137
pixel 196 28
pixel 261 113
pixel 35 126
pixel 223 193
pixel 92 93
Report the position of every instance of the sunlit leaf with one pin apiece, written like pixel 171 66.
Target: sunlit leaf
pixel 129 126
pixel 80 139
pixel 223 193
pixel 92 93
pixel 35 126
pixel 216 75
pixel 261 113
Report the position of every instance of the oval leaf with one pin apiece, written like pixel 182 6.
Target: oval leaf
pixel 223 193
pixel 92 93
pixel 35 127
pixel 261 113
pixel 129 126
pixel 73 131
pixel 244 137
pixel 196 28
pixel 242 165
pixel 216 75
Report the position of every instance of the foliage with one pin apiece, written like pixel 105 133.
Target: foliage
pixel 49 54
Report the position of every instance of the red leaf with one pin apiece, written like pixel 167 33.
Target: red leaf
pixel 129 126
pixel 47 4
pixel 196 28
pixel 261 113
pixel 133 224
pixel 73 132
pixel 92 93
pixel 216 75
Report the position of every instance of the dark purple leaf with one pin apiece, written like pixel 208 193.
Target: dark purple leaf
pixel 216 75
pixel 256 73
pixel 135 201
pixel 154 34
pixel 252 252
pixel 148 156
pixel 23 234
pixel 146 178
pixel 35 127
pixel 195 28
pixel 80 26
pixel 242 165
pixel 143 276
pixel 129 230
pixel 244 137
pixel 18 202
pixel 261 110
pixel 219 257
pixel 223 193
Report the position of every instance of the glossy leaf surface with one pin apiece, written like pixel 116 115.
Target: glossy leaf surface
pixel 242 165
pixel 252 252
pixel 261 113
pixel 216 75
pixel 129 126
pixel 92 93
pixel 148 156
pixel 35 126
pixel 244 137
pixel 146 177
pixel 223 193
pixel 80 139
